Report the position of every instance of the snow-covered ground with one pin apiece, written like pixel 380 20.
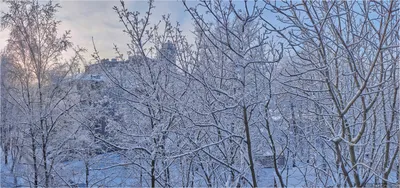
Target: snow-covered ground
pixel 106 170
pixel 7 178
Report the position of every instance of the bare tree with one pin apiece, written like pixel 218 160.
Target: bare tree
pixel 346 51
pixel 34 51
pixel 237 69
pixel 147 93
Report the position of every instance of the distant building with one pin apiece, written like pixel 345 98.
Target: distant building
pixel 267 160
pixel 167 52
pixel 103 65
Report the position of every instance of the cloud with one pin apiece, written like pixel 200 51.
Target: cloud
pixel 87 19
pixel 97 19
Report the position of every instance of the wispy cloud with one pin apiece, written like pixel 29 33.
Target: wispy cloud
pixel 97 19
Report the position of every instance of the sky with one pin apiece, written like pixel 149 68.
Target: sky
pixel 97 19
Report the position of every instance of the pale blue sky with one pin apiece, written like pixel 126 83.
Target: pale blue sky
pixel 87 19
pixel 96 18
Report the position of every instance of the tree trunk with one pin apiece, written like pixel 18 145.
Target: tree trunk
pixel 249 151
pixel 280 178
pixel 87 173
pixel 35 168
pixel 44 153
pixel 153 174
pixel 6 154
